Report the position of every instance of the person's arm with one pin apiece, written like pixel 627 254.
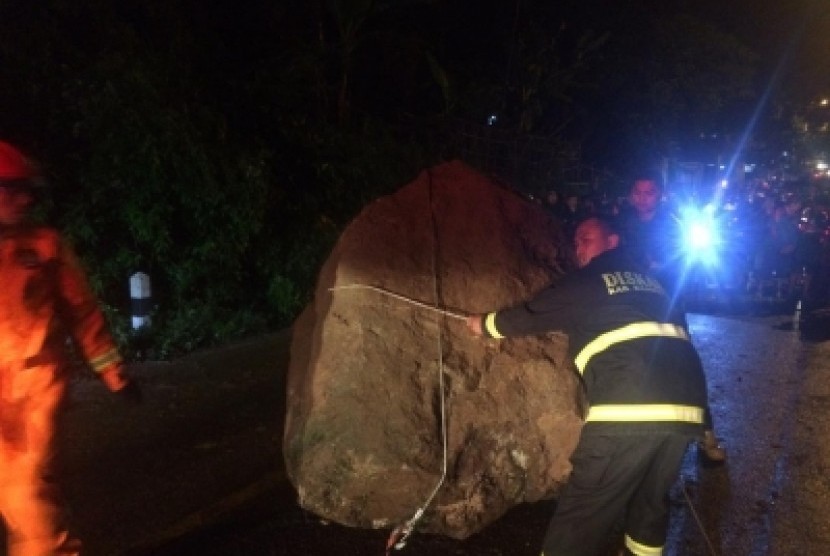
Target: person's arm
pixel 549 310
pixel 85 322
pixel 475 324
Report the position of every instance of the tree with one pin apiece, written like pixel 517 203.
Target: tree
pixel 667 78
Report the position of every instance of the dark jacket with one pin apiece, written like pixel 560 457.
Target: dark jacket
pixel 656 244
pixel 638 366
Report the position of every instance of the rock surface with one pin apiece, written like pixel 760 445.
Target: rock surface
pixel 363 440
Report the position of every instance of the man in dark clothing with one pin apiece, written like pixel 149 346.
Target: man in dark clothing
pixel 644 383
pixel 652 234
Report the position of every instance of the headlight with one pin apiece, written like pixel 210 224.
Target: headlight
pixel 701 236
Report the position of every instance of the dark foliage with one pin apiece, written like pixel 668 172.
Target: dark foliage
pixel 222 149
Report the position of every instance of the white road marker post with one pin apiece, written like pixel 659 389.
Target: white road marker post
pixel 140 299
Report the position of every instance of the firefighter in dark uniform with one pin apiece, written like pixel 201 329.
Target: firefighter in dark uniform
pixel 645 387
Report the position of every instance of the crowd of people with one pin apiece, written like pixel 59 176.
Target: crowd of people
pixel 774 240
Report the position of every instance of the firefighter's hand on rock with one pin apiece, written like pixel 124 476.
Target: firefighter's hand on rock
pixel 474 324
pixel 130 393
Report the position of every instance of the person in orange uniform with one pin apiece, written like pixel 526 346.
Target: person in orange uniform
pixel 44 300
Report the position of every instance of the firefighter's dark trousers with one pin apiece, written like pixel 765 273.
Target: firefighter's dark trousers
pixel 617 478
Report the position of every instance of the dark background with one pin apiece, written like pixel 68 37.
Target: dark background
pixel 222 146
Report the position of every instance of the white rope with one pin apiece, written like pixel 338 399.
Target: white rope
pixel 401 533
pixel 402 298
pixel 398 537
pixel 440 353
pixel 406 529
pixel 699 523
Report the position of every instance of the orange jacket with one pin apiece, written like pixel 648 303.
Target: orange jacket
pixel 45 297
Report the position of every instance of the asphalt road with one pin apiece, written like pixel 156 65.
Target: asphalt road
pixel 768 392
pixel 214 487
pixel 757 370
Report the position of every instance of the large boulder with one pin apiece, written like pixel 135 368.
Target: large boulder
pixel 365 401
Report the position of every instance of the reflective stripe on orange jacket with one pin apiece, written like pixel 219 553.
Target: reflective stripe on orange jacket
pixel 44 297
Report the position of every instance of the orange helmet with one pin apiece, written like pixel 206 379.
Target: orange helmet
pixel 13 165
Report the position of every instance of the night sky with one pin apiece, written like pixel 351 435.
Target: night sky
pixel 241 61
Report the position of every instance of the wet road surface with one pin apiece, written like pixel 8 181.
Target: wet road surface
pixel 769 398
pixel 755 368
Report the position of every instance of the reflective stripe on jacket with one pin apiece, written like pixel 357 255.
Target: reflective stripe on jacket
pixel 628 332
pixel 645 413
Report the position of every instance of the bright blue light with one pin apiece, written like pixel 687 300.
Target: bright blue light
pixel 701 237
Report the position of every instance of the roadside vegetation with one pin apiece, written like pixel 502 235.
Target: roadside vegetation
pixel 222 151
